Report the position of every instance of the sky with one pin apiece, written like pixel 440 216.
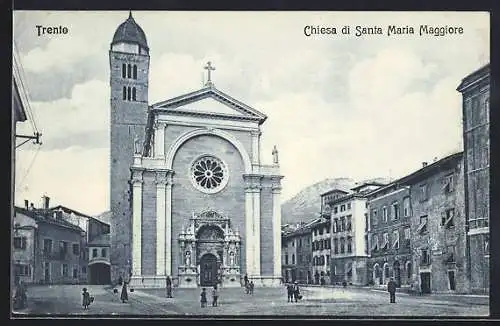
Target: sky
pixel 337 105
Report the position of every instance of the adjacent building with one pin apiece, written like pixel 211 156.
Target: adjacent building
pixel 321 244
pixel 438 226
pixel 47 249
pixel 99 265
pixel 349 230
pixel 475 89
pixel 297 254
pixel 95 245
pixel 389 236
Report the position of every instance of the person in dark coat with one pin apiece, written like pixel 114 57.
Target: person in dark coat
pixel 246 281
pixel 289 291
pixel 391 288
pixel 124 295
pixel 203 298
pixel 86 298
pixel 296 291
pixel 169 287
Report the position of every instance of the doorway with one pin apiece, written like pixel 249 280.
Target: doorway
pixel 425 282
pixel 99 274
pixel 208 270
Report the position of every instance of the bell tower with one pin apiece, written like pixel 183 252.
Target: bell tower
pixel 129 74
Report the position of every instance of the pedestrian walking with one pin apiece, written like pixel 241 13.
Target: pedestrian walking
pixel 246 280
pixel 289 291
pixel 169 287
pixel 124 294
pixel 391 288
pixel 86 298
pixel 203 299
pixel 296 291
pixel 215 296
pixel 251 287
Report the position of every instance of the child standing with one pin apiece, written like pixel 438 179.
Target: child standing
pixel 203 296
pixel 215 296
pixel 86 299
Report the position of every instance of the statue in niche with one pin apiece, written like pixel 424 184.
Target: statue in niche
pixel 231 259
pixel 187 261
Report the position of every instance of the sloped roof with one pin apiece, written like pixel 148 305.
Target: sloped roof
pixel 43 216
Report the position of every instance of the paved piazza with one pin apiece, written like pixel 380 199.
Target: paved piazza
pixel 317 301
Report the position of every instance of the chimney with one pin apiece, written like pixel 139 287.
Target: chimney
pixel 424 164
pixel 46 201
pixel 26 204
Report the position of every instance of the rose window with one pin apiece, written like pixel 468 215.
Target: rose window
pixel 209 174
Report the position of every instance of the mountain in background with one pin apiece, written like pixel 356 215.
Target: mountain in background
pixel 306 205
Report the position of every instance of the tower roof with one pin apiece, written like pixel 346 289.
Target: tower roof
pixel 130 32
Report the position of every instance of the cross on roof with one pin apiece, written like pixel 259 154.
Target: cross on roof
pixel 209 68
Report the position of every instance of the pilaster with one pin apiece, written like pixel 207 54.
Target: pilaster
pixel 256 147
pixel 168 224
pixel 252 218
pixel 161 222
pixel 159 151
pixel 276 193
pixel 137 182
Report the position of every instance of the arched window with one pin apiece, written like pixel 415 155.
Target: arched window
pixel 293 259
pixel 124 93
pixel 128 93
pixel 408 270
pixel 135 72
pixel 124 70
pixel 133 93
pixel 103 252
pixel 129 71
pixel 386 273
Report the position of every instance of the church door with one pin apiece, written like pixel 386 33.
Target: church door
pixel 208 270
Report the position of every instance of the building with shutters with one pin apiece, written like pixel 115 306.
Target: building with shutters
pixel 438 236
pixel 349 233
pixel 47 249
pixel 389 236
pixel 297 254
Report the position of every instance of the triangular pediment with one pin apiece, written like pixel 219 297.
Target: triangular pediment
pixel 210 101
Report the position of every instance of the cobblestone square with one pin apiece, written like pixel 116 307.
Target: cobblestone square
pixel 316 302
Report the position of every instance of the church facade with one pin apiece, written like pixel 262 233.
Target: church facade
pixel 190 197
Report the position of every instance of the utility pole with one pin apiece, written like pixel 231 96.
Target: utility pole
pixel 35 137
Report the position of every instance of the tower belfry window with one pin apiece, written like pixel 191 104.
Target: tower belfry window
pixel 129 71
pixel 135 72
pixel 124 93
pixel 128 93
pixel 133 93
pixel 124 71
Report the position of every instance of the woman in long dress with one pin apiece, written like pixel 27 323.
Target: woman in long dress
pixel 124 295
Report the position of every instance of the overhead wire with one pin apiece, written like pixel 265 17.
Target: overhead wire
pixel 24 90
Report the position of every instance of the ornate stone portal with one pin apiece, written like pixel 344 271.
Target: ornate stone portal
pixel 209 252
